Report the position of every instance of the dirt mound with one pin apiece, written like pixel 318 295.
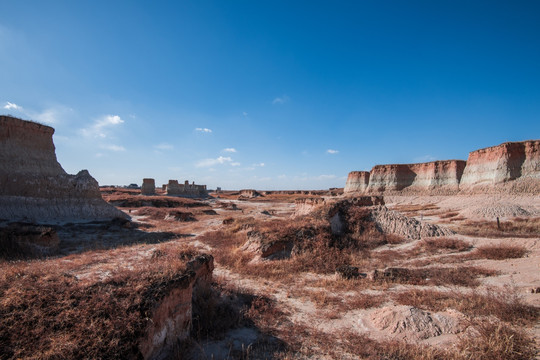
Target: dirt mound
pixel 393 222
pixel 411 323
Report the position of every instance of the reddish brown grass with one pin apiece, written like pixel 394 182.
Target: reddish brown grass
pixel 434 245
pixel 517 227
pixel 505 304
pixel 499 252
pixel 47 311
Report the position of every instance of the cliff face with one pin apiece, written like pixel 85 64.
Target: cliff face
pixel 509 167
pixel 33 185
pixel 432 176
pixel 357 181
pixel 503 163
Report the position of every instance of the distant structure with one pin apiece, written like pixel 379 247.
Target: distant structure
pixel 218 190
pixel 187 190
pixel 148 187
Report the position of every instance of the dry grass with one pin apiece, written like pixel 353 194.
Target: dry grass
pixel 499 252
pixel 517 227
pixel 505 304
pixel 48 311
pixel 435 245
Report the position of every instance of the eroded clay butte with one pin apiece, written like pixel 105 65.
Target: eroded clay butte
pixel 501 164
pixel 435 175
pixel 357 181
pixel 33 185
pixel 510 167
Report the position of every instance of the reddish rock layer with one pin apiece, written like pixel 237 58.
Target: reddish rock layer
pixel 33 185
pixel 509 167
pixel 503 163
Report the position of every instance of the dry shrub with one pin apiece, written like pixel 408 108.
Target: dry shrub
pixel 434 245
pixel 492 340
pixel 505 304
pixel 517 227
pixel 499 252
pixel 47 311
pixel 462 276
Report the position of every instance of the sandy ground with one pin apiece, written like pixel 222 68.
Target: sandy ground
pixel 439 329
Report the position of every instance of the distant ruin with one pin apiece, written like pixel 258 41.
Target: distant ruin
pixel 148 187
pixel 173 188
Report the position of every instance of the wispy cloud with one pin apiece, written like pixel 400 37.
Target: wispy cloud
pixel 235 164
pixel 113 147
pixel 101 126
pixel 332 151
pixel 425 158
pixel 203 130
pixel 212 162
pixel 325 177
pixel 164 146
pixel 281 100
pixel 245 114
pixel 12 106
pixel 258 165
pixel 231 150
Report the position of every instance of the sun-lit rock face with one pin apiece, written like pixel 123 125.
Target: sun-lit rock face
pixel 503 163
pixel 431 176
pixel 148 187
pixel 512 167
pixel 357 181
pixel 33 185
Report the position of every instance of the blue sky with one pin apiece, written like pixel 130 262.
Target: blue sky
pixel 269 95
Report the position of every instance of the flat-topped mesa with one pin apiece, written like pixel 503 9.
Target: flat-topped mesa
pixel 357 181
pixel 434 176
pixel 501 164
pixel 33 185
pixel 27 147
pixel 148 187
pixel 186 190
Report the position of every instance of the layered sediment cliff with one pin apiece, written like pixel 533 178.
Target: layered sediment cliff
pixel 357 181
pixel 33 185
pixel 501 164
pixel 509 167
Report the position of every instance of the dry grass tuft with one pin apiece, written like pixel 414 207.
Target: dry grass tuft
pixel 48 311
pixel 434 245
pixel 505 304
pixel 517 227
pixel 491 340
pixel 500 252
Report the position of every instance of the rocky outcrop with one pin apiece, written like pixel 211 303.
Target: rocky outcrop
pixel 357 181
pixel 249 194
pixel 148 187
pixel 33 185
pixel 432 176
pixel 509 167
pixel 502 164
pixel 171 317
pixel 392 222
pixel 306 206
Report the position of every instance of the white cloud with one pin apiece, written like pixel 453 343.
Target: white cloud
pixel 113 147
pixel 212 162
pixel 100 128
pixel 281 100
pixel 235 164
pixel 332 151
pixel 425 158
pixel 231 150
pixel 259 164
pixel 12 106
pixel 164 146
pixel 204 130
pixel 326 177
